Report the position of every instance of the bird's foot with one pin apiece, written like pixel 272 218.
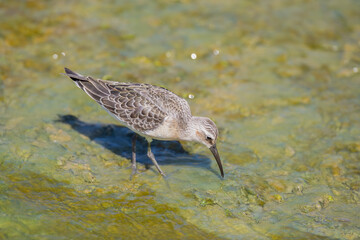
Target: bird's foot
pixel 134 171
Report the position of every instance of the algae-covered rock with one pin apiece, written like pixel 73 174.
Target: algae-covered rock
pixel 278 185
pixel 333 162
pixel 204 199
pixel 12 123
pixel 277 198
pixel 57 135
pixel 289 151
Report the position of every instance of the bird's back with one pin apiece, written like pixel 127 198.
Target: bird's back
pixel 141 107
pixel 169 102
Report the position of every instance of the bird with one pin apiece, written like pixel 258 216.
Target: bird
pixel 150 111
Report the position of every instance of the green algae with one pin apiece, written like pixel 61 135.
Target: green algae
pixel 279 78
pixel 108 213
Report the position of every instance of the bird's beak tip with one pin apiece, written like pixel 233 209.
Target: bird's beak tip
pixel 215 152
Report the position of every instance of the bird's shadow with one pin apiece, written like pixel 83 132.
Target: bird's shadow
pixel 118 140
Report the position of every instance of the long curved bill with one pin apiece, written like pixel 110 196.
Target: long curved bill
pixel 214 151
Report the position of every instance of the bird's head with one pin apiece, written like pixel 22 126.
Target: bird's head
pixel 206 132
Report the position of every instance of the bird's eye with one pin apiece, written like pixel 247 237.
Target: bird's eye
pixel 208 138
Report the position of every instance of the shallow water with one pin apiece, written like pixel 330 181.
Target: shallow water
pixel 280 79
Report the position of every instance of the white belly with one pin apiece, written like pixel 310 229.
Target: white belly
pixel 168 130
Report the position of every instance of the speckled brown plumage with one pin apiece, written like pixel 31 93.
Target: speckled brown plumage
pixel 140 106
pixel 150 111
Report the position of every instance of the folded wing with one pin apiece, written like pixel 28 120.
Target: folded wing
pixel 123 100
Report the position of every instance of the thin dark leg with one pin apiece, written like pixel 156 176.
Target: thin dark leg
pixel 133 159
pixel 152 157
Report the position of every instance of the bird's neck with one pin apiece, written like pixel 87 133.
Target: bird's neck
pixel 190 129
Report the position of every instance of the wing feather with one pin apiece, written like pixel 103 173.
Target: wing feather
pixel 140 106
pixel 120 99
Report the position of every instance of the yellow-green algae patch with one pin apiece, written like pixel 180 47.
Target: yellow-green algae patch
pixel 279 78
pixel 34 205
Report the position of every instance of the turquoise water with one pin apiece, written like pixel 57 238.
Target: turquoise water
pixel 279 78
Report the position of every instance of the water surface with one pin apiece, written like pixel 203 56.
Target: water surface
pixel 279 78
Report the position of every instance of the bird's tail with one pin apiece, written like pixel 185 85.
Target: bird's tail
pixel 74 76
pixel 96 89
